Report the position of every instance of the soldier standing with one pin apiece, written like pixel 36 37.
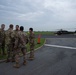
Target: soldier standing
pixel 31 43
pixel 15 34
pixel 20 44
pixel 2 39
pixel 9 43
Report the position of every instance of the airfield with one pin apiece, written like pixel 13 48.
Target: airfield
pixel 56 57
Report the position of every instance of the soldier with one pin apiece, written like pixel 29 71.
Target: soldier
pixel 15 34
pixel 2 39
pixel 31 43
pixel 9 43
pixel 20 44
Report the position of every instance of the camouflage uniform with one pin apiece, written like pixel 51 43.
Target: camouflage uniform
pixel 2 41
pixel 32 44
pixel 9 43
pixel 15 36
pixel 20 45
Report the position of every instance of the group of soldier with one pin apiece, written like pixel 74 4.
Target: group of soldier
pixel 15 41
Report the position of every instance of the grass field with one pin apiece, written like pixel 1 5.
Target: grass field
pixel 36 46
pixel 43 32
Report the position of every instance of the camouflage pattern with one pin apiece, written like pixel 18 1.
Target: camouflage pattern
pixel 9 42
pixel 32 44
pixel 20 45
pixel 15 36
pixel 2 41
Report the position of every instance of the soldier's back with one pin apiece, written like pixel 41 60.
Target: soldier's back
pixel 31 38
pixel 8 33
pixel 23 37
pixel 2 35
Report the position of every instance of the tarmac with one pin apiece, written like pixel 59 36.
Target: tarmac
pixel 56 57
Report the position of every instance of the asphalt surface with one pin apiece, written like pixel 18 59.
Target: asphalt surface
pixel 58 36
pixel 48 60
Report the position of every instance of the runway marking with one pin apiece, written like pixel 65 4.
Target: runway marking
pixel 59 46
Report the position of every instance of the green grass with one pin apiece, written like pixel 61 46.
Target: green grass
pixel 28 49
pixel 43 32
pixel 37 45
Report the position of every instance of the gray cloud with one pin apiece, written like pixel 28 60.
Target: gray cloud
pixel 39 14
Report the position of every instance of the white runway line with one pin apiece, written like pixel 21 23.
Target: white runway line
pixel 59 46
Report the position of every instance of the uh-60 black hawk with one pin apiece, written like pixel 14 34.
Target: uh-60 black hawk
pixel 61 31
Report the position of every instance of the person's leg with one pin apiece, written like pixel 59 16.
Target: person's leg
pixel 8 54
pixel 31 52
pixel 13 53
pixel 24 55
pixel 13 56
pixel 17 59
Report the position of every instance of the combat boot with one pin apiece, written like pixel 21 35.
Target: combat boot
pixel 16 65
pixel 24 63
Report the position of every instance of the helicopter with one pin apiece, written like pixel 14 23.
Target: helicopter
pixel 62 31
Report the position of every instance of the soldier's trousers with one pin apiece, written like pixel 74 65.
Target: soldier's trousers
pixel 9 51
pixel 17 57
pixel 31 50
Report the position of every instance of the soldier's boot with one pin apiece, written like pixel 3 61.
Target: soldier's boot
pixel 24 63
pixel 16 65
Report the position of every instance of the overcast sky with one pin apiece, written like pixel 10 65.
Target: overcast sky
pixel 43 15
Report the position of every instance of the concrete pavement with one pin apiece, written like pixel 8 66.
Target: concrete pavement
pixel 48 60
